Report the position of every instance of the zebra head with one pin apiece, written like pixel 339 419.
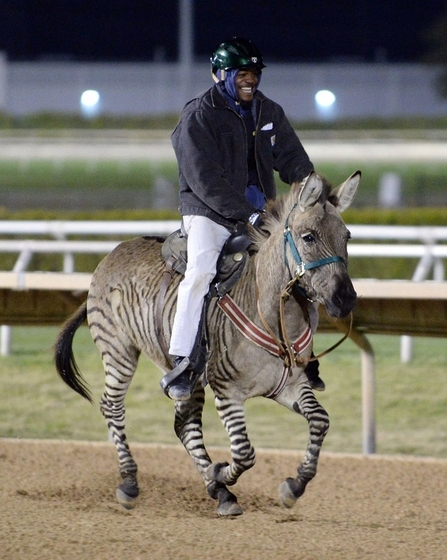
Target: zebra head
pixel 315 242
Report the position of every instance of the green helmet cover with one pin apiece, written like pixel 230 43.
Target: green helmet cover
pixel 237 53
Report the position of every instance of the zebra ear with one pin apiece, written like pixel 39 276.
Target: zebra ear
pixel 346 192
pixel 310 192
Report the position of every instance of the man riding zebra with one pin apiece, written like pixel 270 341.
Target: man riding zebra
pixel 228 142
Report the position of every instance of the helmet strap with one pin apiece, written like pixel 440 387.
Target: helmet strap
pixel 219 75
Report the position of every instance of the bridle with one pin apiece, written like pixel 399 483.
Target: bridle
pixel 301 266
pixel 290 357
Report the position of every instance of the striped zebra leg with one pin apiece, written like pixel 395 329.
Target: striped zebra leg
pixel 119 373
pixel 307 405
pixel 242 453
pixel 188 427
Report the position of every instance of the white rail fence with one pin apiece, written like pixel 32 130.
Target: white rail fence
pixel 59 230
pixel 428 251
pixel 428 245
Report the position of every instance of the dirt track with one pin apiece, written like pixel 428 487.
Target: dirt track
pixel 58 502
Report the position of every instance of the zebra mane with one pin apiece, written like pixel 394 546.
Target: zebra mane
pixel 277 211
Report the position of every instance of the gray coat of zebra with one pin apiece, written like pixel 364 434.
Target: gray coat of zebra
pixel 121 309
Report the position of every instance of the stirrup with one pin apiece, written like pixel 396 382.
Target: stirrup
pixel 168 378
pixel 182 388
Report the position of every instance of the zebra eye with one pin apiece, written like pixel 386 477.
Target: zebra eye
pixel 308 238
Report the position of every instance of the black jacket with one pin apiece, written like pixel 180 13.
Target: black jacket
pixel 211 148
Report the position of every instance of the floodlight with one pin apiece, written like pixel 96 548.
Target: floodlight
pixel 325 98
pixel 90 98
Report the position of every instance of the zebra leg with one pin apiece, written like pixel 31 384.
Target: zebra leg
pixel 188 427
pixel 118 378
pixel 318 419
pixel 242 453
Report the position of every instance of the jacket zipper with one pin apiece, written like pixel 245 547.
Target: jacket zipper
pixel 256 143
pixel 255 134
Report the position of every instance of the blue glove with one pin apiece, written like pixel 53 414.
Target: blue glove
pixel 255 197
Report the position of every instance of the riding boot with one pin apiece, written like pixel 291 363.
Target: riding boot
pixel 179 383
pixel 313 375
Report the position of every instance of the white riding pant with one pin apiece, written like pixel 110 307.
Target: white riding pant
pixel 205 242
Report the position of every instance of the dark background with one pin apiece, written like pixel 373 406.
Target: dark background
pixel 145 30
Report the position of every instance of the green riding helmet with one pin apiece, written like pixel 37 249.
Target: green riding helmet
pixel 237 53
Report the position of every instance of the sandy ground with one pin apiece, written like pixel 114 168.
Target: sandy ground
pixel 58 502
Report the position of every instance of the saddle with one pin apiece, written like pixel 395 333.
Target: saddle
pixel 230 266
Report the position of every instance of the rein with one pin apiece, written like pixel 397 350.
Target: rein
pixel 285 294
pixel 287 351
pixel 300 270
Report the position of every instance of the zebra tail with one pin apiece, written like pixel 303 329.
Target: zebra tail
pixel 64 359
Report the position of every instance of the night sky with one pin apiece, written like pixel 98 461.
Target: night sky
pixel 290 31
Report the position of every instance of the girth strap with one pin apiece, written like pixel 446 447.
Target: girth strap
pixel 280 385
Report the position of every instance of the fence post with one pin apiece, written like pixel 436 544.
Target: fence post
pixel 3 80
pixel 421 273
pixel 5 334
pixel 368 387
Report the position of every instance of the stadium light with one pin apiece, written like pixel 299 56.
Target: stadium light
pixel 325 103
pixel 90 99
pixel 325 98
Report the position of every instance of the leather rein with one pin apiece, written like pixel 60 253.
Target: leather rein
pixel 287 350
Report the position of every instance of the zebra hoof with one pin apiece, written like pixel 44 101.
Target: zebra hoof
pixel 286 495
pixel 127 492
pixel 128 502
pixel 227 509
pixel 227 501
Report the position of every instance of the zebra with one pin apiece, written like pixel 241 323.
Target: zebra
pixel 299 254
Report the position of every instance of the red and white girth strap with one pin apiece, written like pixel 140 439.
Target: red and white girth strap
pixel 262 339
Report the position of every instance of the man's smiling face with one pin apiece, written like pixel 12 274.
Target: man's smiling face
pixel 246 82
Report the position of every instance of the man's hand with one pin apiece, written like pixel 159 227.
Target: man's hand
pixel 298 184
